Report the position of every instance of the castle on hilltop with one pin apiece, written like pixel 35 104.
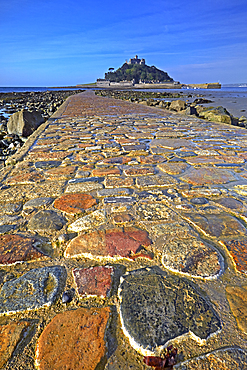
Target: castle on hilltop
pixel 136 61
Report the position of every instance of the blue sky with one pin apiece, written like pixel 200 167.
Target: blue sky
pixel 61 43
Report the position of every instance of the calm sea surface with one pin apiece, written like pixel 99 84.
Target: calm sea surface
pixel 226 91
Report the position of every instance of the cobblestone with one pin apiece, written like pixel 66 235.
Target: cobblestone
pixel 141 214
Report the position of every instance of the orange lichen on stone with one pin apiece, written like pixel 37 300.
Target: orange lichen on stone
pixel 237 298
pixel 238 252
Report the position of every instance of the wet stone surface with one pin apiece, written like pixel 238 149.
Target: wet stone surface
pixel 112 242
pixel 35 289
pixel 192 257
pixel 17 248
pixel 238 252
pixel 157 307
pixel 121 205
pixel 227 358
pixel 94 281
pixel 237 298
pixel 46 220
pixel 74 203
pixel 81 335
pixel 10 335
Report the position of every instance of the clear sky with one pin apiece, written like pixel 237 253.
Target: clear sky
pixel 61 43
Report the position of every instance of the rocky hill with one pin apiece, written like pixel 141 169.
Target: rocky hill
pixel 136 72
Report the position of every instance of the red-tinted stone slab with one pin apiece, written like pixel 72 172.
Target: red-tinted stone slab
pixel 149 159
pixel 17 248
pixel 94 280
pixel 202 176
pixel 238 251
pixel 26 178
pixel 111 243
pixel 73 340
pixel 74 203
pixel 173 168
pixel 10 335
pixel 220 225
pixel 139 171
pixel 60 172
pixel 106 172
pixel 44 156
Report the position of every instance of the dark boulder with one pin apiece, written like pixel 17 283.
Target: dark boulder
pixel 24 123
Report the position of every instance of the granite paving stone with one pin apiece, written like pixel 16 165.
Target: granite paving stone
pixel 192 257
pixel 46 220
pixel 37 203
pixel 10 335
pixel 156 180
pixel 7 228
pixel 83 187
pixel 88 222
pixel 10 208
pixel 116 191
pixel 118 182
pixel 60 172
pixel 202 176
pixel 154 211
pixel 113 243
pixel 45 165
pixel 106 172
pixel 222 359
pixel 74 203
pixel 35 289
pixel 119 200
pixel 81 335
pixel 238 252
pixel 17 248
pixel 94 281
pixel 173 168
pixel 217 226
pixel 153 313
pixel 237 298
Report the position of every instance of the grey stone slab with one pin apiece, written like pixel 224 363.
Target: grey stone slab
pixel 7 228
pixel 45 165
pixel 156 180
pixel 156 307
pixel 8 220
pixel 37 288
pixel 119 200
pixel 38 202
pixel 116 191
pixel 46 220
pixel 10 208
pixel 90 179
pixel 222 359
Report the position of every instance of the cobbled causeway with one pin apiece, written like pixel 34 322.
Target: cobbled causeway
pixel 122 232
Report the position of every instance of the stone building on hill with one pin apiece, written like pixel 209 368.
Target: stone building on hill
pixel 136 60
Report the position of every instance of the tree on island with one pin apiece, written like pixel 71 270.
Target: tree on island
pixel 137 72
